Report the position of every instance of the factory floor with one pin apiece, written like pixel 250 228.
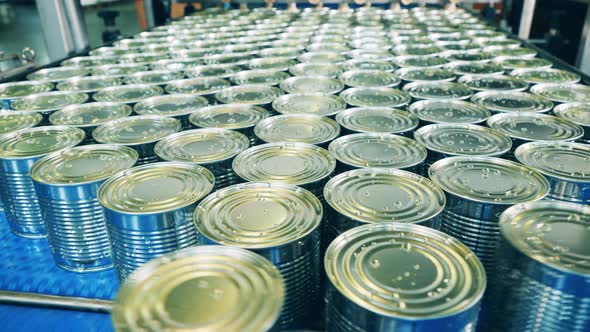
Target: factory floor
pixel 20 26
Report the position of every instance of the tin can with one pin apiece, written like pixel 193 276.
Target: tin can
pixel 149 211
pixel 416 50
pixel 12 91
pixel 275 220
pixel 302 128
pixel 437 90
pixel 413 74
pixel 316 69
pixel 57 74
pixel 66 183
pixel 140 132
pixel 157 77
pixel 469 56
pixel 260 95
pixel 89 116
pixel 128 94
pixel 377 120
pixel 375 97
pixel 493 82
pixel 322 57
pixel 244 292
pixel 261 76
pixel 18 152
pixel 511 101
pixel 448 111
pixel 545 75
pixel 178 106
pixel 564 164
pixel 461 68
pixel 563 93
pixel 211 148
pixel 146 57
pixel 478 190
pixel 176 64
pixel 501 51
pixel 280 63
pixel 358 64
pixel 46 103
pixel 578 113
pixel 369 78
pixel 109 51
pixel 437 282
pixel 89 61
pixel 88 84
pixel 120 69
pixel 309 103
pixel 317 84
pixel 419 61
pixel 202 86
pixel 511 63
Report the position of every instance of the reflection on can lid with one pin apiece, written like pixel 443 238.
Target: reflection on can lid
pixel 475 68
pixel 248 94
pixel 377 119
pixel 38 141
pixel 88 61
pixel 57 74
pixel 135 130
pixel 563 160
pixel 449 111
pixel 545 75
pixel 275 63
pixel 303 84
pixel 143 57
pixel 259 76
pixel 371 55
pixel 377 195
pixel 243 292
pixel 552 233
pixel 511 101
pixel 153 77
pixel 48 101
pixel 578 113
pixel 118 69
pixel 467 56
pixel 198 85
pixel 88 83
pixel 409 261
pixel 202 146
pixel 228 116
pixel 518 62
pixel 304 128
pixel 23 88
pixel 489 180
pixel 463 139
pixel 10 122
pixel 354 64
pixel 412 74
pixel 281 51
pixel 315 69
pixel 500 51
pixel 377 150
pixel 419 61
pixel 83 164
pixel 563 92
pixel 369 78
pixel 437 90
pixel 493 82
pixel 176 64
pixel 89 115
pixel 170 105
pixel 322 57
pixel 258 215
pixel 534 126
pixel 128 93
pixel 156 188
pixel 309 103
pixel 416 50
pixel 380 97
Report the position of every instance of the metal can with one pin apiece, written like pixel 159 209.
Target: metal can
pixel 202 86
pixel 281 63
pixel 18 152
pixel 437 90
pixel 88 84
pixel 469 56
pixel 419 61
pixel 418 279
pixel 317 84
pixel 564 164
pixel 261 76
pixel 302 128
pixel 301 164
pixel 375 97
pixel 501 51
pixel 413 74
pixel 89 61
pixel 213 71
pixel 278 221
pixel 478 190
pixel 511 101
pixel 578 113
pixel 128 94
pixel 178 106
pixel 149 211
pixel 11 122
pixel 377 120
pixel 261 95
pixel 157 77
pixel 563 92
pixel 358 64
pixel 66 183
pixel 176 64
pixel 511 63
pixel 315 69
pixel 493 82
pixel 244 292
pixel 211 148
pixel 46 103
pixel 309 103
pixel 57 74
pixel 461 68
pixel 143 57
pixel 140 132
pixel 448 111
pixel 322 57
pixel 545 75
pixel 369 78
pixel 120 69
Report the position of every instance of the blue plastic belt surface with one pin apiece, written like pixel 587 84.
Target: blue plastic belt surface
pixel 25 319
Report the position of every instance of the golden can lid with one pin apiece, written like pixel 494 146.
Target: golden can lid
pixel 38 141
pixel 228 116
pixel 375 97
pixel 48 101
pixel 135 130
pixel 89 83
pixel 10 122
pixel 319 84
pixel 303 128
pixel 90 114
pixel 252 94
pixel 463 139
pixel 57 74
pixel 170 105
pixel 535 127
pixel 377 120
pixel 309 103
pixel 129 93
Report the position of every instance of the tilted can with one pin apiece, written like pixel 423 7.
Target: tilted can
pixel 377 120
pixel 11 91
pixel 448 111
pixel 578 113
pixel 302 128
pixel 178 106
pixel 66 183
pixel 149 211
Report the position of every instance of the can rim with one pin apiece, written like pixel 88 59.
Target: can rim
pixel 143 107
pixel 101 132
pixel 29 120
pixel 502 122
pixel 525 152
pixel 80 108
pixel 76 133
pixel 78 98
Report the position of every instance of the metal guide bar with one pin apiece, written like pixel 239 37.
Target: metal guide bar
pixel 54 301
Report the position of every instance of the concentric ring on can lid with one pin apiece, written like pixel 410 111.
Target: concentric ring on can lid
pixel 156 188
pixel 128 93
pixel 578 113
pixel 228 116
pixel 405 271
pixel 252 94
pixel 38 141
pixel 90 114
pixel 377 150
pixel 449 111
pixel 57 74
pixel 493 82
pixel 315 69
pixel 213 71
pixel 83 164
pixel 437 90
pixel 552 233
pixel 285 162
pixel 412 74
pixel 474 68
pixel 564 160
pixel 243 291
pixel 159 77
pixel 170 105
pixel 135 130
pixel 202 146
pixel 535 127
pixel 10 122
pixel 359 64
pixel 48 101
pixel 322 57
pixel 545 75
pixel 563 92
pixel 258 215
pixel 511 101
pixel 419 61
pixel 118 69
pixel 369 78
pixel 88 83
pixel 304 84
pixel 378 195
pixel 518 62
pixel 488 180
pixel 377 97
pixel 309 103
pixel 198 85
pixel 377 120
pixel 303 128
pixel 463 139
pixel 259 76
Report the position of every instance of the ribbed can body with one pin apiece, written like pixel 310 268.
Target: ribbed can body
pixel 569 190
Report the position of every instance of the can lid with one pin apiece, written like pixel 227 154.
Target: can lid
pixel 493 82
pixel 48 101
pixel 412 74
pixel 83 164
pixel 243 291
pixel 578 113
pixel 202 146
pixel 377 150
pixel 326 46
pixel 56 74
pixel 176 65
pixel 292 51
pixel 378 195
pixel 259 76
pixel 379 97
pixel 309 103
pixel 143 57
pixel 258 215
pixel 550 232
pixel 88 83
pixel 499 51
pixel 274 62
pixel 419 61
pixel 156 188
pixel 135 130
pixel 315 69
pixel 89 115
pixel 285 162
pixel 535 127
pixel 545 75
pixel 319 84
pixel 377 119
pixel 228 116
pixel 252 94
pixel 488 180
pixel 355 64
pixel 518 62
pixel 405 271
pixel 511 101
pixel 563 92
pixel 170 105
pixel 474 68
pixel 153 77
pixel 449 111
pixel 304 128
pixel 109 51
pixel 563 160
pixel 198 85
pixel 322 57
pixel 364 54
pixel 463 139
pixel 38 141
pixel 88 61
pixel 416 49
pixel 213 71
pixel 369 78
pixel 468 56
pixel 437 90
pixel 118 69
pixel 128 93
pixel 10 122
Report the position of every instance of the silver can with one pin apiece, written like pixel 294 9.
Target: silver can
pixel 128 94
pixel 88 84
pixel 202 86
pixel 511 63
pixel 563 92
pixel 375 97
pixel 213 71
pixel 57 74
pixel 448 111
pixel 178 106
pixel 437 90
pixel 121 69
pixel 578 113
pixel 157 77
pixel 303 128
pixel 493 82
pixel 318 84
pixel 511 102
pixel 416 74
pixel 377 120
pixel 281 63
pixel 316 69
pixel 369 78
pixel 260 76
pixel 309 103
pixel 47 102
pixel 545 75
pixel 253 94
